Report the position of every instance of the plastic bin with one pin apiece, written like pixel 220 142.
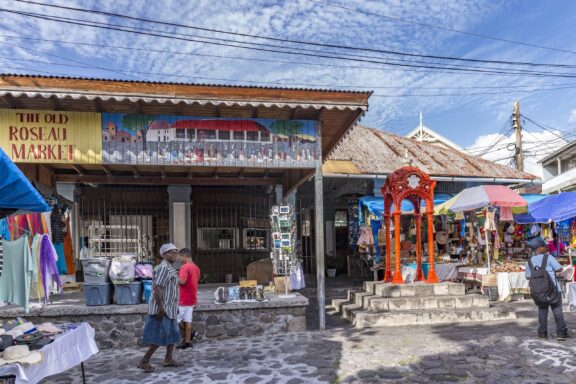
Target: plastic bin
pixel 425 267
pixel 128 294
pixel 96 270
pixel 147 284
pixel 98 294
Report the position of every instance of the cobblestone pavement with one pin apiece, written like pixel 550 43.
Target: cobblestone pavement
pixel 474 353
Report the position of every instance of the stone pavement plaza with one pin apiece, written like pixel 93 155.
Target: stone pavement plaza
pixel 498 352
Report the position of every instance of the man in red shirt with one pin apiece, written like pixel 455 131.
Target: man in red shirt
pixel 189 276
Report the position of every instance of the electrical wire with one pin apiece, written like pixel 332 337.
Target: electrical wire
pixel 478 35
pixel 300 42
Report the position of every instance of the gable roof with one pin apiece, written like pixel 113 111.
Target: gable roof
pixel 373 152
pixel 425 134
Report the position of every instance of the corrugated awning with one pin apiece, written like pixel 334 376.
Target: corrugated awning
pixel 162 99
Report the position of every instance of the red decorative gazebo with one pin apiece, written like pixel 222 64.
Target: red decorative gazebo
pixel 409 183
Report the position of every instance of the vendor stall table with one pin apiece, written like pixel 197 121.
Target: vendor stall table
pixel 509 283
pixel 448 271
pixel 68 350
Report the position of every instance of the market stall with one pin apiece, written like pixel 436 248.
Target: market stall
pixel 48 350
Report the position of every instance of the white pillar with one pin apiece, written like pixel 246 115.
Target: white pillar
pixel 319 235
pixel 180 215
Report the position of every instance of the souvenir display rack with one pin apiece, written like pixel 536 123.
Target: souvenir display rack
pixel 283 224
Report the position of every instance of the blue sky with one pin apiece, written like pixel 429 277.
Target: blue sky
pixel 449 109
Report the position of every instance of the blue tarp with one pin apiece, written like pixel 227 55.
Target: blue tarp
pixel 16 192
pixel 555 208
pixel 375 205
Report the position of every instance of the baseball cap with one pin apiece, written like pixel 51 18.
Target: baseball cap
pixel 536 243
pixel 167 248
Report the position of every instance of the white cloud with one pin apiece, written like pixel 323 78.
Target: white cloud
pixel 572 118
pixel 501 149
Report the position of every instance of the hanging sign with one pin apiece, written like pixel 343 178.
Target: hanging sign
pixel 37 136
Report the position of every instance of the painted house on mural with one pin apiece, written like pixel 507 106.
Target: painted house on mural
pixel 199 165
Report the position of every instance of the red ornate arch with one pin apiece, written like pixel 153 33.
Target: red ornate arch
pixel 409 183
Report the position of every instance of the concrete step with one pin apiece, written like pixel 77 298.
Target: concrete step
pixel 415 289
pixel 377 303
pixel 337 304
pixel 372 319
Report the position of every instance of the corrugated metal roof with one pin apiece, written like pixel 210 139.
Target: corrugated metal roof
pixel 346 167
pixel 374 152
pixel 75 95
pixel 181 83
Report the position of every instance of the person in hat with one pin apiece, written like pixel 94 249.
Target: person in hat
pixel 540 247
pixel 161 327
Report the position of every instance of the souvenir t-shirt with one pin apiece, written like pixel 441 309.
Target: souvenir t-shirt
pixel 17 272
pixel 189 291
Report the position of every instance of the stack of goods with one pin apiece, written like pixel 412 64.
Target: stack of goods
pixel 247 291
pixel 19 337
pixel 507 267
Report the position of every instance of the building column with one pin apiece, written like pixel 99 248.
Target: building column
pixel 180 215
pixel 319 234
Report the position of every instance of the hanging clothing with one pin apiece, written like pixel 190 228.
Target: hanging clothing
pixel 60 258
pixel 297 277
pixel 506 214
pixel 366 237
pixel 48 267
pixel 4 229
pixel 376 225
pixel 18 268
pixel 57 225
pixel 37 287
pixel 68 251
pixel 490 223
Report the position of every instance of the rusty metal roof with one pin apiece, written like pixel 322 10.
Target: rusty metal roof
pixel 374 152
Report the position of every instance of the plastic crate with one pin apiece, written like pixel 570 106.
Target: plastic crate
pixel 96 270
pixel 147 285
pixel 128 294
pixel 98 294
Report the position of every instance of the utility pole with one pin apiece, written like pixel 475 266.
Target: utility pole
pixel 519 155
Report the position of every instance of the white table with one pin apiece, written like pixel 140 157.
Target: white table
pixel 65 352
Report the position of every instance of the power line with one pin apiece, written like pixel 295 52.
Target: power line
pixel 478 35
pixel 273 61
pixel 325 55
pixel 301 42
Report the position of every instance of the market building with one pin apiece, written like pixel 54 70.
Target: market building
pixel 143 163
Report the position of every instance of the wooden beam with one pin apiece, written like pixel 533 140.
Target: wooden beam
pixel 9 99
pixel 104 179
pixel 107 170
pixel 255 113
pixel 218 111
pixel 162 174
pixel 291 185
pixel 336 137
pixel 240 174
pixel 46 175
pixel 79 169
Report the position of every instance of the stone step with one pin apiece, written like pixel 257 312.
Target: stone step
pixel 337 304
pixel 377 303
pixel 372 319
pixel 420 289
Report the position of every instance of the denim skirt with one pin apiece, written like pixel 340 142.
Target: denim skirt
pixel 161 332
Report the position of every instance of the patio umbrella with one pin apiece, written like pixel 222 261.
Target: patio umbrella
pixel 555 208
pixel 480 197
pixel 17 195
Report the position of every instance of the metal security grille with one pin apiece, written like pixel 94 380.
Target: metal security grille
pixel 116 220
pixel 231 229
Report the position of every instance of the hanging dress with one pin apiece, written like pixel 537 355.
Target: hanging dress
pixel 68 252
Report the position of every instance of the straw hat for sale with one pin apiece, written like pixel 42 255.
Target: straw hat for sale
pixel 441 237
pixel 20 354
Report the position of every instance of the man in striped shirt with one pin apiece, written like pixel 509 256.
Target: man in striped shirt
pixel 161 328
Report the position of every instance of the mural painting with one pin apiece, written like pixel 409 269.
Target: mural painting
pixel 184 140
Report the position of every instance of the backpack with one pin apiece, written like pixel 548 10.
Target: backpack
pixel 542 289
